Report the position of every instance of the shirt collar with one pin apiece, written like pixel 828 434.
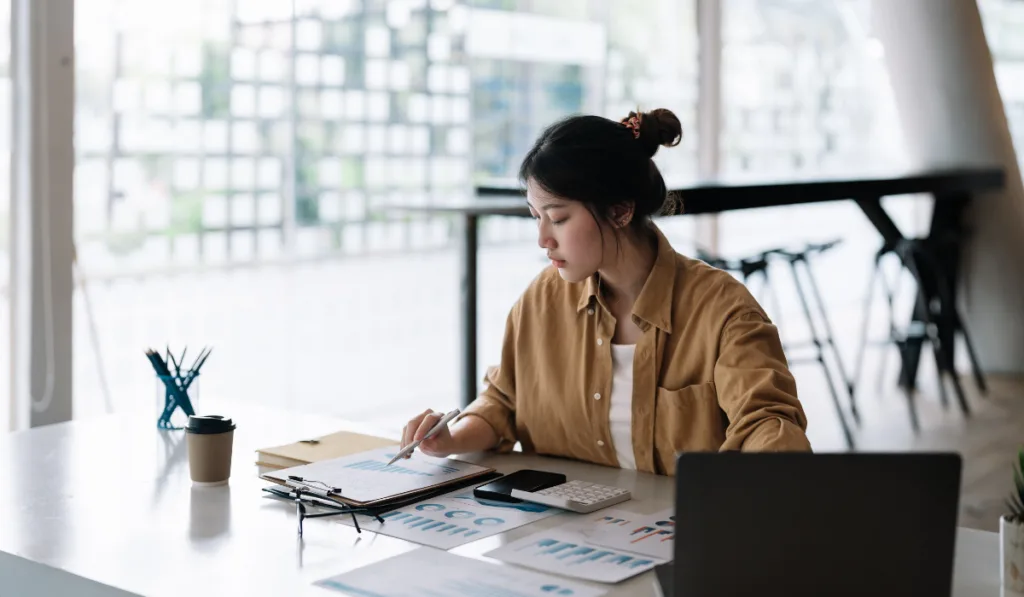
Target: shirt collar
pixel 654 305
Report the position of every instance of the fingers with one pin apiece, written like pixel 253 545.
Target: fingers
pixel 427 424
pixel 410 428
pixel 430 447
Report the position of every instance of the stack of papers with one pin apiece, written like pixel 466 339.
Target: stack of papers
pixel 315 449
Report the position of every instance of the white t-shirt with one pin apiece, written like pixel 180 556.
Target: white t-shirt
pixel 620 414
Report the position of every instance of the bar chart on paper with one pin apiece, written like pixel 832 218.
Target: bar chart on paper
pixel 394 469
pixel 563 552
pixel 453 519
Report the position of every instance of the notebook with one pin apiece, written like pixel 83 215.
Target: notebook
pixel 365 478
pixel 334 445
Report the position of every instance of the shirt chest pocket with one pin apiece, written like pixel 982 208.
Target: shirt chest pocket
pixel 688 419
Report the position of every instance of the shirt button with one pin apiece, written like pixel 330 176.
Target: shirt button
pixel 597 396
pixel 600 443
pixel 600 342
pixel 590 311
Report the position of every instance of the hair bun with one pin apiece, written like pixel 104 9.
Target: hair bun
pixel 657 128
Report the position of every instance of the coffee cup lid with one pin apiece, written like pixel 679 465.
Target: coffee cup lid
pixel 205 424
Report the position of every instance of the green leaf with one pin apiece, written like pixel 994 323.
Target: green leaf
pixel 1018 475
pixel 1020 458
pixel 1011 510
pixel 1016 506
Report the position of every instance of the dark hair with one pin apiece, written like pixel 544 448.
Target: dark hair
pixel 602 163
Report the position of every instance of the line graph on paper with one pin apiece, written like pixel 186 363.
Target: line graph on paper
pixel 652 535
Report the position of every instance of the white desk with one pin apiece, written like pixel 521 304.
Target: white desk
pixel 105 507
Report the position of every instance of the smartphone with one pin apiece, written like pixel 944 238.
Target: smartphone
pixel 524 480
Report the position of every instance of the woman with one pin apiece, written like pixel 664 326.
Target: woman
pixel 624 352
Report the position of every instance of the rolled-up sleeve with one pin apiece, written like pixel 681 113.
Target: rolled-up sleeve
pixel 497 403
pixel 756 389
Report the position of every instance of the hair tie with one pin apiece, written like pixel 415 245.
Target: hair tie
pixel 633 122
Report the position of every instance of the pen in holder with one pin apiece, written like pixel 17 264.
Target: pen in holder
pixel 176 400
pixel 177 386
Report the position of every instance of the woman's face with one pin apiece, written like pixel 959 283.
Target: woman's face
pixel 568 232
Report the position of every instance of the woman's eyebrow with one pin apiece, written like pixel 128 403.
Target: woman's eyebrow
pixel 548 206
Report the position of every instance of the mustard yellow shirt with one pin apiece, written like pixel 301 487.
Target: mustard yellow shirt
pixel 709 373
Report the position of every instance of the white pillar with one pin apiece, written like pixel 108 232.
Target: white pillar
pixel 42 59
pixel 951 114
pixel 709 109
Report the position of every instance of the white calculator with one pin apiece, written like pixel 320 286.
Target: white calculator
pixel 576 496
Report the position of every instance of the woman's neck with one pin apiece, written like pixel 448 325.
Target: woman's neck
pixel 625 277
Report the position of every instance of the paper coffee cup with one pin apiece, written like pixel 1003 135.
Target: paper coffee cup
pixel 209 449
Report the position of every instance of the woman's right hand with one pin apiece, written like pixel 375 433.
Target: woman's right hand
pixel 439 446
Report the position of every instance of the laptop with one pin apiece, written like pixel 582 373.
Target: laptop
pixel 814 524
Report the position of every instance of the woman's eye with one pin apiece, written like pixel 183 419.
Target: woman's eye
pixel 557 222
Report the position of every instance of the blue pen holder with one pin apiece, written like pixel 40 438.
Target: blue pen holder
pixel 177 396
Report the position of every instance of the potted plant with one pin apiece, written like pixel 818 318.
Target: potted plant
pixel 1011 535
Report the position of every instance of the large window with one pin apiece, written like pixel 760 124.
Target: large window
pixel 236 161
pixel 227 132
pixel 1004 30
pixel 805 91
pixel 803 88
pixel 535 62
pixel 5 212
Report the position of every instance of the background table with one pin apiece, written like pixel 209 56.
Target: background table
pixel 952 189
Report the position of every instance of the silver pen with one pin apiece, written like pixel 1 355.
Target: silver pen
pixel 433 430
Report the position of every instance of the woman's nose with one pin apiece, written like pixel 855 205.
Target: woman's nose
pixel 544 238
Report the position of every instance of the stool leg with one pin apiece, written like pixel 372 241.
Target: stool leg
pixel 943 395
pixel 890 300
pixel 911 396
pixel 821 356
pixel 979 378
pixel 941 356
pixel 950 322
pixel 865 325
pixel 775 300
pixel 830 340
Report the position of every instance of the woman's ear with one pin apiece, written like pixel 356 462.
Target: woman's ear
pixel 621 214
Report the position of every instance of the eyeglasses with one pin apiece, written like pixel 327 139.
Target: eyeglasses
pixel 306 495
pixel 308 492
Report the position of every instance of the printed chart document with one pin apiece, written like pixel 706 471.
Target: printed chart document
pixel 567 550
pixel 652 535
pixel 426 571
pixel 366 477
pixel 453 519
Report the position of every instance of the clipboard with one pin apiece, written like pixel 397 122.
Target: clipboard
pixel 364 480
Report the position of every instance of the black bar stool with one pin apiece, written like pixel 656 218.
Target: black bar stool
pixel 920 261
pixel 750 267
